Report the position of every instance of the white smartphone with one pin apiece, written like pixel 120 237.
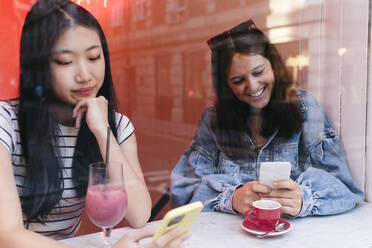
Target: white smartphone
pixel 273 171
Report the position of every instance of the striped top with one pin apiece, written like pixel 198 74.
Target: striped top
pixel 64 220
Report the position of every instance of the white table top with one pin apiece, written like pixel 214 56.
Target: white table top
pixel 352 229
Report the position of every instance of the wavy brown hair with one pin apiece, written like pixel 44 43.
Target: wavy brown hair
pixel 232 115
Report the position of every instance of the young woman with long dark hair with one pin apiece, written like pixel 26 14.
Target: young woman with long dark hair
pixel 260 116
pixel 58 126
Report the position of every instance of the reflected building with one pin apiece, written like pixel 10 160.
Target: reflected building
pixel 162 62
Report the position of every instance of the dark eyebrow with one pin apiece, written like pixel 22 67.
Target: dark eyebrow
pixel 260 65
pixel 69 51
pixel 92 47
pixel 61 51
pixel 235 77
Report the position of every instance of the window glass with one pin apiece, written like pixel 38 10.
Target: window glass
pixel 162 71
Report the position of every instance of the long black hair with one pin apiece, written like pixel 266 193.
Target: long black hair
pixel 43 182
pixel 232 115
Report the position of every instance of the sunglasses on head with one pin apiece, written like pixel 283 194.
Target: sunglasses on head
pixel 219 39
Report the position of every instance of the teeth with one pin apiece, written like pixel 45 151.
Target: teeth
pixel 258 93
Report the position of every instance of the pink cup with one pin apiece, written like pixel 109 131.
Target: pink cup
pixel 265 214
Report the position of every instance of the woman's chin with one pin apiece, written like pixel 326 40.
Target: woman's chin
pixel 258 105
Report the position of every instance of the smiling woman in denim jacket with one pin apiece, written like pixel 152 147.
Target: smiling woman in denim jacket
pixel 259 116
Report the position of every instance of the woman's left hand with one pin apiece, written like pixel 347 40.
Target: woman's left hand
pixel 171 239
pixel 288 193
pixel 95 111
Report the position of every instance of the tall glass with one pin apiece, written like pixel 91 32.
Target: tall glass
pixel 106 201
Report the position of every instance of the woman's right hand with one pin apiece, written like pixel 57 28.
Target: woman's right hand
pixel 168 240
pixel 248 193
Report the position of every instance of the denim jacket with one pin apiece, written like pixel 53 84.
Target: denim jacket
pixel 318 164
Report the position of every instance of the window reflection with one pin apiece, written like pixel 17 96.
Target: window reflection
pixel 164 88
pixel 161 63
pixel 194 89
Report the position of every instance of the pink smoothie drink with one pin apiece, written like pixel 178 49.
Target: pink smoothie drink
pixel 106 204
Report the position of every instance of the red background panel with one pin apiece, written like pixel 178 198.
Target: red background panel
pixel 12 19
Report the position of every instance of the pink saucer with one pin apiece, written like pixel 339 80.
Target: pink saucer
pixel 251 228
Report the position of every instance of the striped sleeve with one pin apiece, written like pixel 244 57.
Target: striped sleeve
pixel 125 127
pixel 7 132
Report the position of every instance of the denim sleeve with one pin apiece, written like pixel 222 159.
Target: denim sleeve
pixel 327 185
pixel 194 179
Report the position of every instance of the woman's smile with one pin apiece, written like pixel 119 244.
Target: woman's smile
pixel 257 93
pixel 84 91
